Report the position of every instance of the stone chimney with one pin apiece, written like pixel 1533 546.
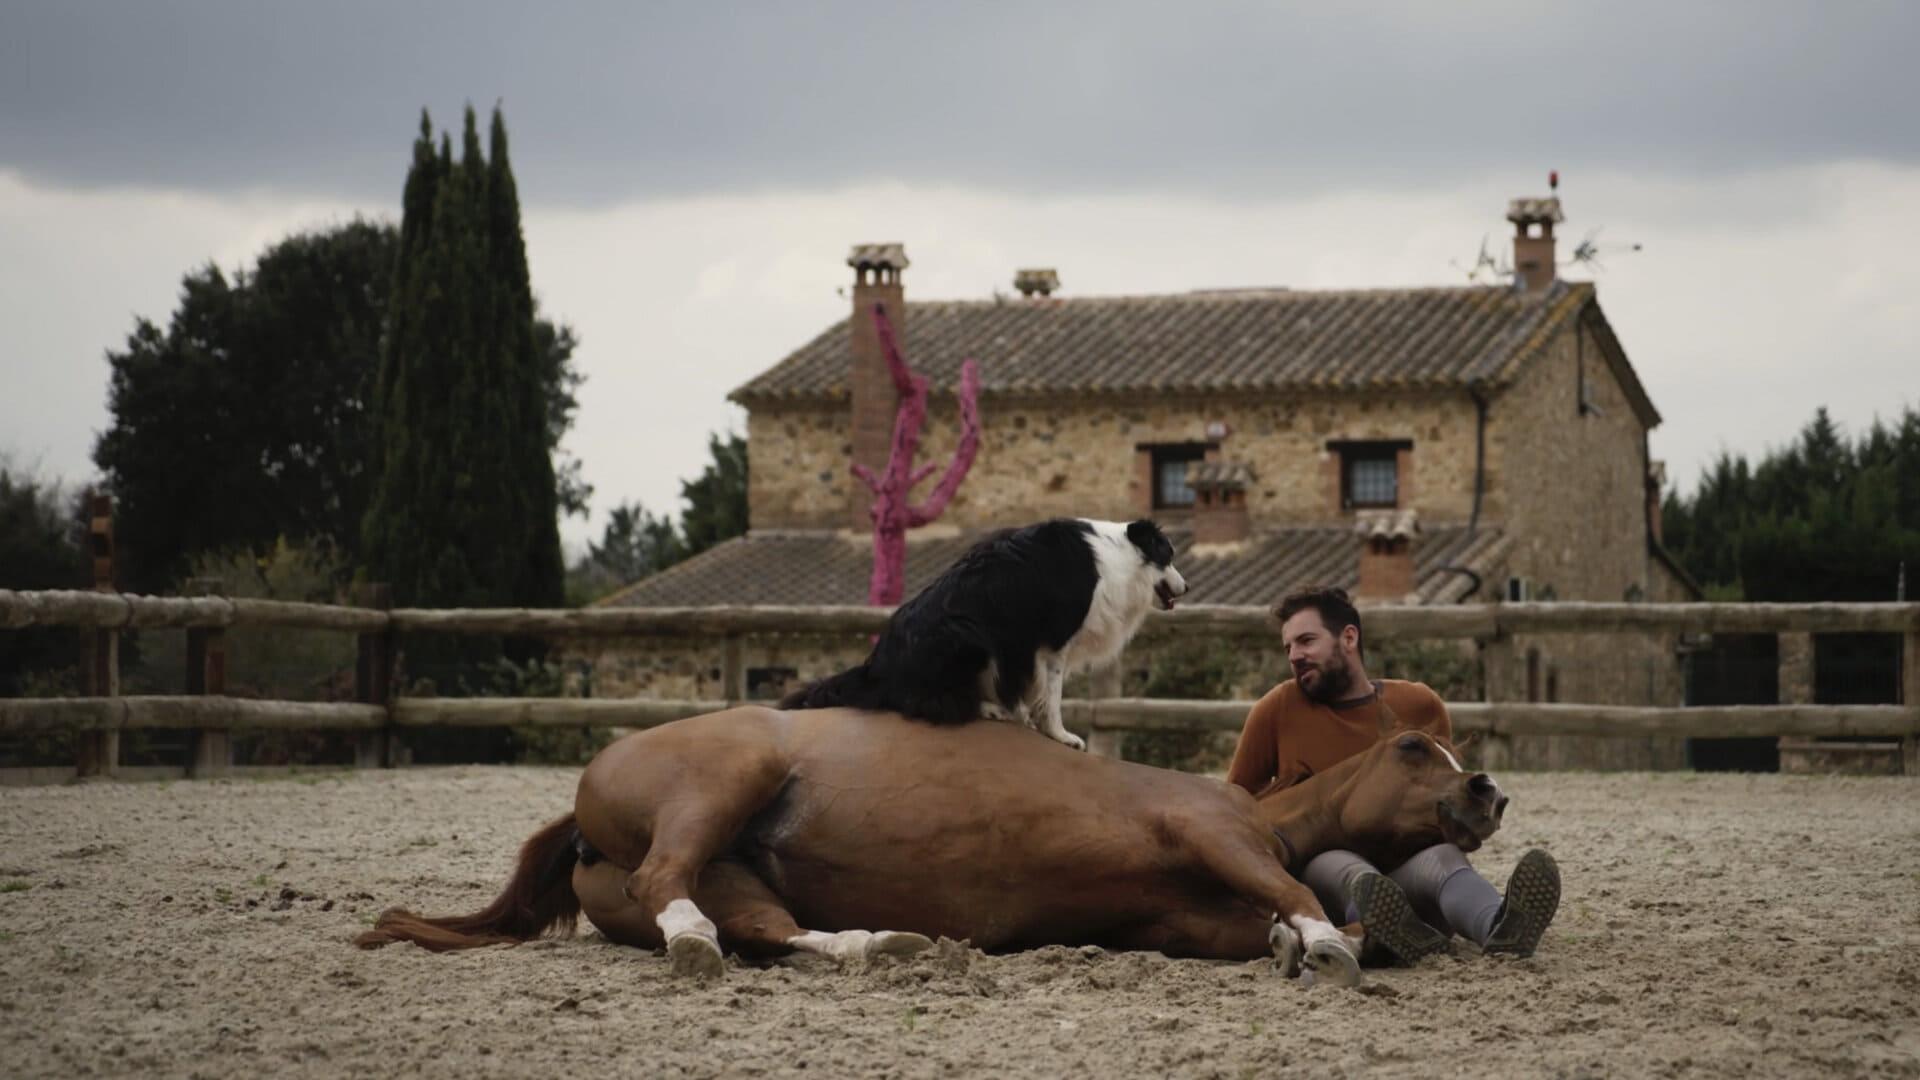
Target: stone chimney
pixel 1032 283
pixel 1533 222
pixel 1386 554
pixel 1220 501
pixel 876 280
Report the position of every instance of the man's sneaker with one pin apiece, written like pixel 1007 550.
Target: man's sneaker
pixel 1392 927
pixel 1533 895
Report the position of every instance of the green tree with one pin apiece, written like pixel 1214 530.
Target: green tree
pixel 39 549
pixel 463 512
pixel 539 578
pixel 247 420
pixel 716 500
pixel 1820 519
pixel 634 544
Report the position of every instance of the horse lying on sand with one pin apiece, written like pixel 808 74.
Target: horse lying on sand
pixel 767 832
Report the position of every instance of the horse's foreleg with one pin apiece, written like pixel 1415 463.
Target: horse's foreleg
pixel 1240 855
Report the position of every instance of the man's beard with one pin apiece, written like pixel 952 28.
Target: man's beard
pixel 1334 684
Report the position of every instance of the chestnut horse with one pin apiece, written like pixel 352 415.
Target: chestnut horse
pixel 769 832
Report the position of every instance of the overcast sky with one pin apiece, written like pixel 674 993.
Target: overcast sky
pixel 692 174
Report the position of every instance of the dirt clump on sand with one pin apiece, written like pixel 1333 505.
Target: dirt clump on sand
pixel 1737 925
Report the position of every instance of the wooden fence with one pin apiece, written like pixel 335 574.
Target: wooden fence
pixel 378 715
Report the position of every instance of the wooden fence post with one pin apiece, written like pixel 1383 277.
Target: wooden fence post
pixel 733 670
pixel 1496 675
pixel 98 752
pixel 373 681
pixel 1910 697
pixel 1105 682
pixel 207 675
pixel 1795 658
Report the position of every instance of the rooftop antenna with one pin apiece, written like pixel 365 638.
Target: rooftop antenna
pixel 1485 266
pixel 1589 250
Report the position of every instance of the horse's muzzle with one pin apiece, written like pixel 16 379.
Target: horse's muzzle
pixel 1467 823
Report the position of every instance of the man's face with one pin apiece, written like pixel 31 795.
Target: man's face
pixel 1319 657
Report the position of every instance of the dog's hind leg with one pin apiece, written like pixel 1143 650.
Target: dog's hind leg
pixel 1014 679
pixel 1053 682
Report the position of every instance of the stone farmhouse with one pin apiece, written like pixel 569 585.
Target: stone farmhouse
pixel 1479 443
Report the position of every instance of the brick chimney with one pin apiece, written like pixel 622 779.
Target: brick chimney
pixel 1533 222
pixel 1220 501
pixel 1386 554
pixel 1032 283
pixel 876 280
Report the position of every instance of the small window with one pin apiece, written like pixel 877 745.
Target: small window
pixel 1370 474
pixel 1170 490
pixel 768 683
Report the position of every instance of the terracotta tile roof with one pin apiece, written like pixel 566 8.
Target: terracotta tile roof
pixel 1222 342
pixel 809 568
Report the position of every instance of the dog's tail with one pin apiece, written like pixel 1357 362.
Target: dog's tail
pixel 853 688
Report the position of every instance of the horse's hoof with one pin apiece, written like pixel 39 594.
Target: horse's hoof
pixel 696 956
pixel 1333 962
pixel 898 943
pixel 1286 949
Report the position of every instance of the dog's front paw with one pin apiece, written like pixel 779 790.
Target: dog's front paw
pixel 1070 739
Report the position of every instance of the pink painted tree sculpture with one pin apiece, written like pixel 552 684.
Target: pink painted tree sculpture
pixel 892 513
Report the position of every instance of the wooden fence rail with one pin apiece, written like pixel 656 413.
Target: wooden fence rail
pixel 37 715
pixel 1482 622
pixel 378 715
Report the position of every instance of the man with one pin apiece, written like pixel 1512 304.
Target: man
pixel 1330 711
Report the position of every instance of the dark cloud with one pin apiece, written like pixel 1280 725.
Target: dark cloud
pixel 609 100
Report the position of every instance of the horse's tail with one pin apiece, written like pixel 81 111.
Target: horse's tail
pixel 853 688
pixel 538 897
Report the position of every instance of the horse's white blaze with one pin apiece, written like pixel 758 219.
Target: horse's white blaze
pixel 1450 758
pixel 681 917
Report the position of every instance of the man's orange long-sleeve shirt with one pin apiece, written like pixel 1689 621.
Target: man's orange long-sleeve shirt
pixel 1289 737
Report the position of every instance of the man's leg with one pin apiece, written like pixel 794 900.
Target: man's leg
pixel 1448 892
pixel 1353 890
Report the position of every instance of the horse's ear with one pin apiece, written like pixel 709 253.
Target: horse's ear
pixel 1390 723
pixel 1472 737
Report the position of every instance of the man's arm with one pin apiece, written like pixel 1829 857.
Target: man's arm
pixel 1255 757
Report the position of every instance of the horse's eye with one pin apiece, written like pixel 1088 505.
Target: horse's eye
pixel 1412 743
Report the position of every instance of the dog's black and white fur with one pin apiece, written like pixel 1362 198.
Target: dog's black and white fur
pixel 998 632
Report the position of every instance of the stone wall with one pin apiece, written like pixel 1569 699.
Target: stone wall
pixel 1575 506
pixel 1079 456
pixel 689 668
pixel 798 461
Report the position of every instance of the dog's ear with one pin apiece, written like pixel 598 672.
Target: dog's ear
pixel 1152 543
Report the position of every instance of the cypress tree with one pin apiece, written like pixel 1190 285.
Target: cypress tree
pixel 464 509
pixel 539 580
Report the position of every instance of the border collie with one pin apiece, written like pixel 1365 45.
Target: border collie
pixel 997 634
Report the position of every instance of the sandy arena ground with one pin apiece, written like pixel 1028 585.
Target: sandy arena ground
pixel 1750 926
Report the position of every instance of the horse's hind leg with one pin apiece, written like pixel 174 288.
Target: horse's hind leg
pixel 688 830
pixel 750 919
pixel 753 920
